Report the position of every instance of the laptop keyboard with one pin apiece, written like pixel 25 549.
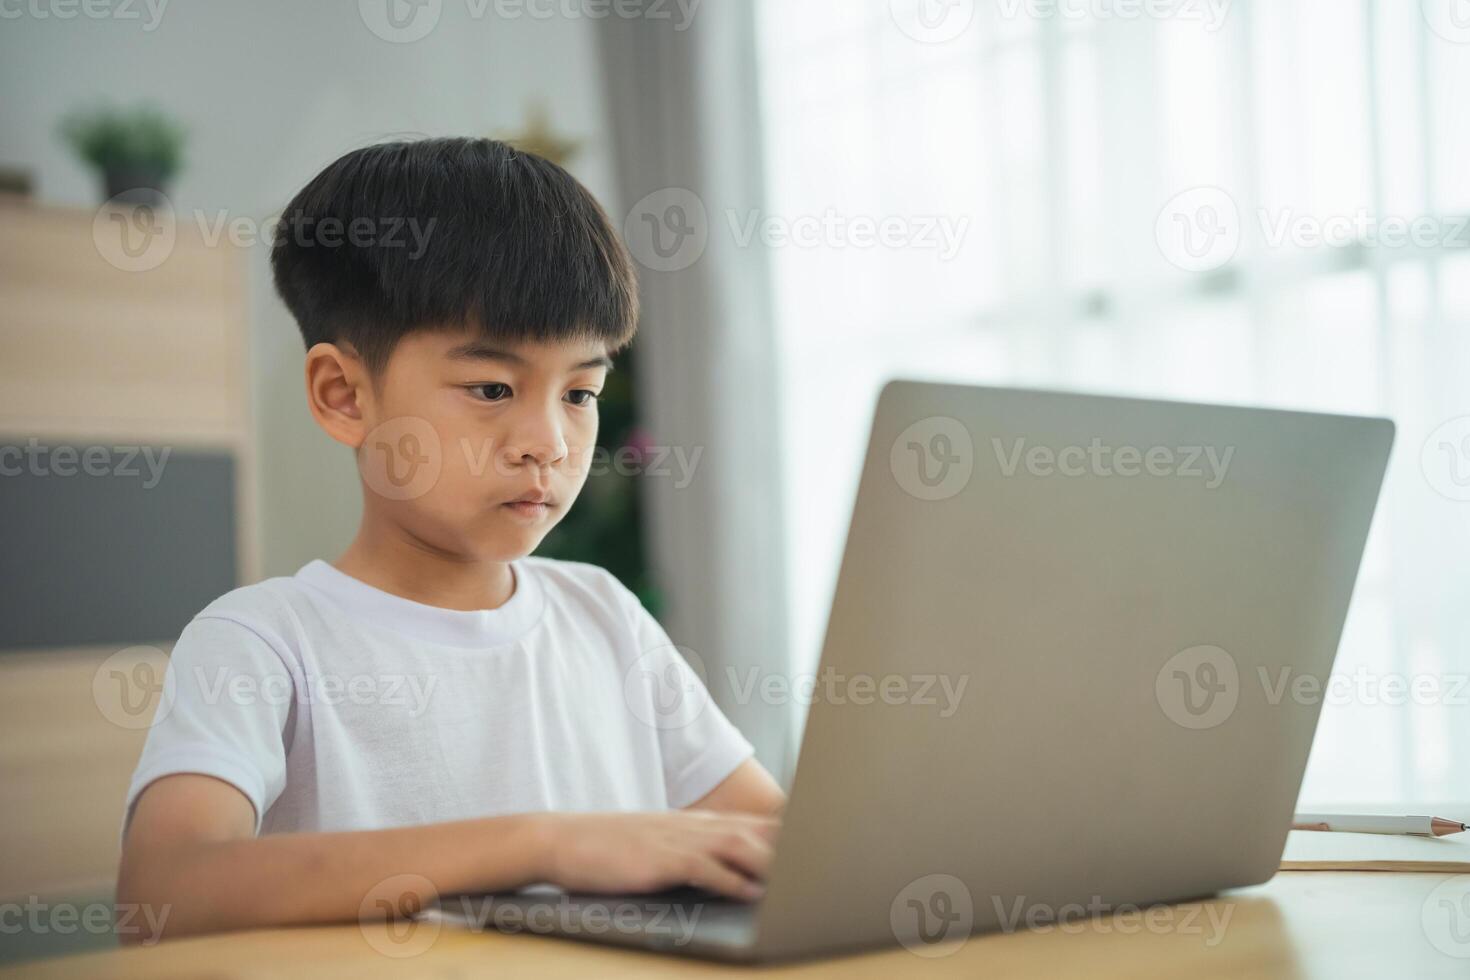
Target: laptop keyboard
pixel 668 919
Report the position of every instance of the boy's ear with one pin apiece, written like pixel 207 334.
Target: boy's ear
pixel 338 392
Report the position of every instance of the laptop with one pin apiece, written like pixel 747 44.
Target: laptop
pixel 1079 619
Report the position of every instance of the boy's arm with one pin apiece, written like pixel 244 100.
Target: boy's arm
pixel 749 789
pixel 191 849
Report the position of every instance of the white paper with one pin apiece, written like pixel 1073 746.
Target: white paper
pixel 1324 851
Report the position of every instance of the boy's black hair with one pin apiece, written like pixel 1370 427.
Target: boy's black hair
pixel 451 232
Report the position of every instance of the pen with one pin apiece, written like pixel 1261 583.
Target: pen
pixel 1356 823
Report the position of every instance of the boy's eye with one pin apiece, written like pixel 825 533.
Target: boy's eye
pixel 582 396
pixel 492 392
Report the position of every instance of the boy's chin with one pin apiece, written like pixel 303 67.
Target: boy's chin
pixel 514 537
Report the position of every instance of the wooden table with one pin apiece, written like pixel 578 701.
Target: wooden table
pixel 1301 924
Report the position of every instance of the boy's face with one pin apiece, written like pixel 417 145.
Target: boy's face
pixel 476 447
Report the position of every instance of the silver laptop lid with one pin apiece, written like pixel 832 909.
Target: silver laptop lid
pixel 1053 667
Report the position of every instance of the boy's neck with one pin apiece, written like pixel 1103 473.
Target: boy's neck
pixel 397 563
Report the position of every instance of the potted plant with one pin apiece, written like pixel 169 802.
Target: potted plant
pixel 137 151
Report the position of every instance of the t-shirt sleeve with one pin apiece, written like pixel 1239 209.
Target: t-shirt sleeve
pixel 225 705
pixel 699 746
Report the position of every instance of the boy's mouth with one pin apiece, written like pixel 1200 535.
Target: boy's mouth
pixel 534 504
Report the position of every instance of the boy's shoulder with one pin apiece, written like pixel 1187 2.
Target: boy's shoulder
pixel 263 607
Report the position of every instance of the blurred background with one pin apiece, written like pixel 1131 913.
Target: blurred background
pixel 1237 201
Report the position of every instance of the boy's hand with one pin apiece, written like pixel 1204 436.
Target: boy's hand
pixel 725 853
pixel 191 848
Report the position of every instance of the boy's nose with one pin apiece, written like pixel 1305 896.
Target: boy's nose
pixel 541 454
pixel 539 441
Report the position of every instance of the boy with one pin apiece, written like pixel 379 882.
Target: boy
pixel 435 703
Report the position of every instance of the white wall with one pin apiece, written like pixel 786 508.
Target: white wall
pixel 272 91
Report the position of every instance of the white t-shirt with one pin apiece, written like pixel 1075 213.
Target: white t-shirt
pixel 333 705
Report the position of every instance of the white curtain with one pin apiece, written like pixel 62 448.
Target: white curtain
pixel 683 111
pixel 1216 204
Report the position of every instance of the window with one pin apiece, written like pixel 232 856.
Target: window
pixel 1251 202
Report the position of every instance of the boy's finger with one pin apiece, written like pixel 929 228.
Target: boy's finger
pixel 767 827
pixel 713 876
pixel 747 852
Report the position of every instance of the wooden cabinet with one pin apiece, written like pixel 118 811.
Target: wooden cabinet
pixel 105 344
pixel 96 354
